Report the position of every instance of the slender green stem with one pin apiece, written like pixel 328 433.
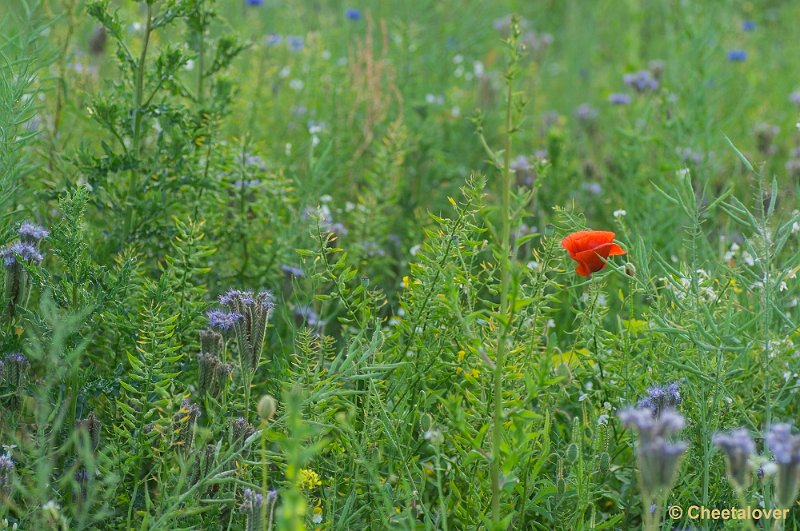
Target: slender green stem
pixel 502 329
pixel 138 98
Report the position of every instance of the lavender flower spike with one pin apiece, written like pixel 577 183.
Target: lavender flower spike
pixel 657 458
pixel 738 447
pixel 31 233
pixel 660 398
pixel 785 448
pixel 222 320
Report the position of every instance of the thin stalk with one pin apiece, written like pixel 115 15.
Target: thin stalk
pixel 505 283
pixel 138 98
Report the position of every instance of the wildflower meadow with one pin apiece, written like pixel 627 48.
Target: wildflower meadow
pixel 348 265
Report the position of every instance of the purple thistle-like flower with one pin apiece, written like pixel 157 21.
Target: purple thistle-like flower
pixel 28 252
pixel 641 81
pixel 657 457
pixel 222 320
pixel 660 398
pixel 6 468
pixel 295 43
pixel 748 25
pixel 585 113
pixel 785 448
pixel 784 445
pixel 738 447
pixel 273 39
pixel 293 271
pixel 31 233
pixel 251 507
pixel 352 14
pixel 619 98
pixel 737 56
pixel 254 2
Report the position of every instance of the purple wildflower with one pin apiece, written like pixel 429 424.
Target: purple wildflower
pixel 28 252
pixel 352 14
pixel 660 398
pixel 737 56
pixel 273 39
pixel 31 233
pixel 748 25
pixel 619 98
pixel 254 2
pixel 222 320
pixel 657 458
pixel 738 447
pixel 585 113
pixel 794 97
pixel 293 271
pixel 6 469
pixel 295 43
pixel 785 448
pixel 641 81
pixel 255 310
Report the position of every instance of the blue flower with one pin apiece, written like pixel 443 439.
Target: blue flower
pixel 254 2
pixel 26 251
pixel 31 233
pixel 352 14
pixel 641 81
pixel 737 56
pixel 748 25
pixel 619 99
pixel 222 320
pixel 273 39
pixel 295 43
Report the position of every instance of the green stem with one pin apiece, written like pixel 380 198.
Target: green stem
pixel 505 282
pixel 138 98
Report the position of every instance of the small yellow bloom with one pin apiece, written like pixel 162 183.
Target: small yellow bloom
pixel 309 479
pixel 461 355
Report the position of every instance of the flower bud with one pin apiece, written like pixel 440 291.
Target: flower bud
pixel 266 408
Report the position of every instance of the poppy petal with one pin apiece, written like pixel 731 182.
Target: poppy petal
pixel 593 259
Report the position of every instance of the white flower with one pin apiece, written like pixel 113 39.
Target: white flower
pixel 619 213
pixel 458 59
pixel 288 149
pixel 285 71
pixel 602 420
pixel 317 518
pixel 296 84
pixel 682 172
pixel 477 69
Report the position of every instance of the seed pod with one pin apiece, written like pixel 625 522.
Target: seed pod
pixel 266 408
pixel 604 463
pixel 573 453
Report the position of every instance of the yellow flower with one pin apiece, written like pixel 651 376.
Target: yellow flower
pixel 309 479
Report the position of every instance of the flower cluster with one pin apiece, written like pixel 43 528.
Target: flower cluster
pixel 251 507
pixel 785 448
pixel 252 312
pixel 6 471
pixel 660 398
pixel 15 256
pixel 657 458
pixel 738 447
pixel 213 373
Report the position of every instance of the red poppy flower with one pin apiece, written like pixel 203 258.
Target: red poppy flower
pixel 589 248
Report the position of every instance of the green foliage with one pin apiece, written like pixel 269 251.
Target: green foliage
pixel 436 360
